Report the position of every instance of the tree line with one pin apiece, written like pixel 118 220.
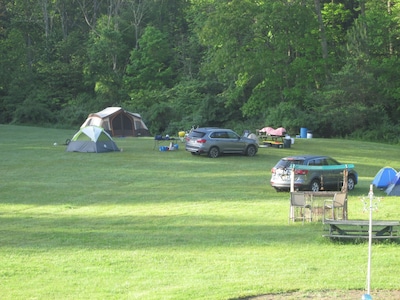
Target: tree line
pixel 331 66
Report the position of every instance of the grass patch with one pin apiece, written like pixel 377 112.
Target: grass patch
pixel 144 224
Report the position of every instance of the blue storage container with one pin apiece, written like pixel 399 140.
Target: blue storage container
pixel 303 133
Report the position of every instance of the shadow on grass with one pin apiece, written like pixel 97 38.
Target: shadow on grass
pixel 138 232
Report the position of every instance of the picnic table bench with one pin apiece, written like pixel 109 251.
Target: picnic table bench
pixel 360 229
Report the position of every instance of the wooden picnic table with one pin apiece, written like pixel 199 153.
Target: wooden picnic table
pixel 360 229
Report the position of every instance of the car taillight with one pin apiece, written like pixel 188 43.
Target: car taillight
pixel 273 170
pixel 201 141
pixel 300 172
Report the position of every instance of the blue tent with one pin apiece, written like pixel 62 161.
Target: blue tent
pixel 384 177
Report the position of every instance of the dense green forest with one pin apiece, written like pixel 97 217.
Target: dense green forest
pixel 331 66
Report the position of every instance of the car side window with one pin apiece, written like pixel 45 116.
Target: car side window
pixel 219 135
pixel 331 162
pixel 312 162
pixel 316 162
pixel 214 135
pixel 231 135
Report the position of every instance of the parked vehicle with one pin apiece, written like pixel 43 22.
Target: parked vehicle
pixel 217 141
pixel 313 180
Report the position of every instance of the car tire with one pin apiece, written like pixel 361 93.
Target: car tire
pixel 351 183
pixel 214 152
pixel 315 185
pixel 251 150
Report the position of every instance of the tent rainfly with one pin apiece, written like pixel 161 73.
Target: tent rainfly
pixel 92 139
pixel 118 122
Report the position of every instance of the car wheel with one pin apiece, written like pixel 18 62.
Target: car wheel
pixel 251 150
pixel 315 185
pixel 351 183
pixel 214 152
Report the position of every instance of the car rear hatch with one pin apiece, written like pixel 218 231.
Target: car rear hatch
pixel 282 170
pixel 195 137
pixel 195 141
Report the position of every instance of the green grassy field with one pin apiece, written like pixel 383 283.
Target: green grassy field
pixel 145 224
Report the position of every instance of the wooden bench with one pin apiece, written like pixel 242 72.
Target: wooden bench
pixel 353 229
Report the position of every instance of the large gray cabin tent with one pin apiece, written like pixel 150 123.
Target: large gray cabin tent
pixel 92 139
pixel 118 122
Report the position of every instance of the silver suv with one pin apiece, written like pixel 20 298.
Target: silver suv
pixel 215 141
pixel 313 180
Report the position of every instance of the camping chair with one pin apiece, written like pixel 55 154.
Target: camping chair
pixel 337 207
pixel 299 206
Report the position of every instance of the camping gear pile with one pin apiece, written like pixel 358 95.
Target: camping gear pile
pixel 388 179
pixel 171 147
pixel 159 138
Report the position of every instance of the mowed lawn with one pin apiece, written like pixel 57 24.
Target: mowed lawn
pixel 145 224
